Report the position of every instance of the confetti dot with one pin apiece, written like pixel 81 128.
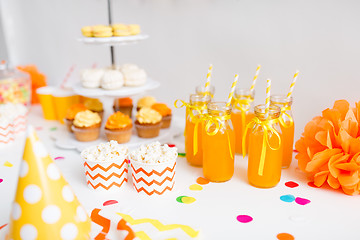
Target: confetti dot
pixel 202 181
pixel 196 187
pixel 53 172
pixel 8 164
pixel 295 150
pixel 244 218
pixel 291 184
pixel 182 154
pixel 302 201
pixel 110 202
pixel 38 128
pixel 16 211
pixel 1 180
pixel 179 199
pixel 59 158
pixel 69 231
pixel 28 232
pixel 67 194
pixel 51 214
pixel 285 236
pixel 1 227
pixel 287 198
pixel 40 150
pixel 171 145
pixel 80 212
pixel 188 200
pixel 53 129
pixel 32 194
pixel 311 184
pixel 24 168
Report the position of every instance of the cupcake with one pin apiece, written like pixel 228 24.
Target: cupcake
pixel 124 105
pixel 112 79
pixel 153 168
pixel 71 112
pixel 86 126
pixel 133 75
pixel 94 105
pixel 118 127
pixel 165 112
pixel 91 78
pixel 148 123
pixel 147 101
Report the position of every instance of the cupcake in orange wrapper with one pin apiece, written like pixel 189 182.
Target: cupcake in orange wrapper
pixel 86 126
pixel 95 105
pixel 124 105
pixel 71 112
pixel 165 112
pixel 118 127
pixel 147 101
pixel 148 123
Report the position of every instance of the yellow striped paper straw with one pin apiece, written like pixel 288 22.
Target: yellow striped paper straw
pixel 232 90
pixel 208 80
pixel 255 78
pixel 293 84
pixel 267 100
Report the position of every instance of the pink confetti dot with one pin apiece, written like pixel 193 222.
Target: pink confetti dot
pixel 1 180
pixel 302 201
pixel 110 202
pixel 171 145
pixel 244 218
pixel 59 158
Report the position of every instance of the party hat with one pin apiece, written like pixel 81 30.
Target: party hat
pixel 45 206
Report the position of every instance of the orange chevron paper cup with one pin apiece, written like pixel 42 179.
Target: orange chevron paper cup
pixel 20 123
pixel 153 178
pixel 106 176
pixel 6 133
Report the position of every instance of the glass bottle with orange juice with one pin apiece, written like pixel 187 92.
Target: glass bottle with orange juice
pixel 242 114
pixel 286 125
pixel 265 147
pixel 202 90
pixel 194 126
pixel 218 143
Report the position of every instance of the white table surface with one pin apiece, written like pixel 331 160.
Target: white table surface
pixel 330 215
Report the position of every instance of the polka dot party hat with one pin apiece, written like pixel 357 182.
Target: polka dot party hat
pixel 45 206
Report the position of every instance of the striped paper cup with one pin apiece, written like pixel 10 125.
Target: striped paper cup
pixel 153 178
pixel 107 175
pixel 20 123
pixel 6 133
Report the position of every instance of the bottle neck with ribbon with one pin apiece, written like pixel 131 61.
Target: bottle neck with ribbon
pixel 287 126
pixel 218 143
pixel 265 147
pixel 201 90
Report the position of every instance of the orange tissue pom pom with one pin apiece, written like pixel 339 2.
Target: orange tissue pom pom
pixel 329 148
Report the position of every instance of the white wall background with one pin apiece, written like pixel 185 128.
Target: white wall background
pixel 320 38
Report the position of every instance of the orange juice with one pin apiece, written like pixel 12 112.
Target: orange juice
pixel 271 171
pixel 241 115
pixel 219 148
pixel 287 126
pixel 193 140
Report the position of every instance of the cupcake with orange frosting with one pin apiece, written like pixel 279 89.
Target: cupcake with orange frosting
pixel 118 127
pixel 147 101
pixel 148 123
pixel 94 105
pixel 124 105
pixel 165 112
pixel 86 126
pixel 71 112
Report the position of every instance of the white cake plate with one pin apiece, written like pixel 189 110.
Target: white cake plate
pixel 113 41
pixel 121 92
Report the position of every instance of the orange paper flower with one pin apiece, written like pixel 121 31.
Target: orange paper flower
pixel 329 148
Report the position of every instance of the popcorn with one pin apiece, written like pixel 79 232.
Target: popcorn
pixel 154 153
pixel 110 151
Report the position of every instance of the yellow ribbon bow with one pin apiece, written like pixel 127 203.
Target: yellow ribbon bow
pixel 244 106
pixel 281 118
pixel 267 126
pixel 219 122
pixel 196 119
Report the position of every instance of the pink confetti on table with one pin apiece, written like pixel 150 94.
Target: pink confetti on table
pixel 291 184
pixel 244 218
pixel 110 202
pixel 302 201
pixel 59 158
pixel 1 180
pixel 38 128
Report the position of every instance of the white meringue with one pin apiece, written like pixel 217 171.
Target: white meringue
pixel 91 78
pixel 112 79
pixel 133 75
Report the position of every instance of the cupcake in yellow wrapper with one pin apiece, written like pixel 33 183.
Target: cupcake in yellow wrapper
pixel 148 123
pixel 86 126
pixel 45 206
pixel 146 101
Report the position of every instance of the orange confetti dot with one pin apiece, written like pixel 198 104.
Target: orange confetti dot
pixel 285 236
pixel 202 181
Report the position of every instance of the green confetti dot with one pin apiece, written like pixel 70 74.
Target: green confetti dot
pixel 182 154
pixel 179 199
pixel 53 129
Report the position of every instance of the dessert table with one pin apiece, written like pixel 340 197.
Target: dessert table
pixel 294 209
